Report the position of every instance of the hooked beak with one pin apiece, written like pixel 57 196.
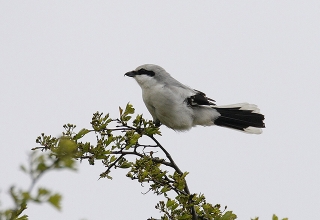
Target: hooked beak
pixel 131 74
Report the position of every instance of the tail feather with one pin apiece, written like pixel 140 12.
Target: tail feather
pixel 243 116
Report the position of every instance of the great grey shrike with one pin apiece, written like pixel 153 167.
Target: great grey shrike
pixel 180 108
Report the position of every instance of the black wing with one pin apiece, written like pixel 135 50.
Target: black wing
pixel 199 99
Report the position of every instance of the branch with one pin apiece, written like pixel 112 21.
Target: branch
pixel 123 153
pixel 34 179
pixel 174 165
pixel 112 165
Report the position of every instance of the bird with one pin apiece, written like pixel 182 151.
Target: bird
pixel 179 107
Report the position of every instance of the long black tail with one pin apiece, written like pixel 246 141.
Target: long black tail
pixel 244 117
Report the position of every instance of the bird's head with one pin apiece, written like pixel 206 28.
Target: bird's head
pixel 148 75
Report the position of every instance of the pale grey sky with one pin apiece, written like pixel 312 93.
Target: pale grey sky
pixel 61 61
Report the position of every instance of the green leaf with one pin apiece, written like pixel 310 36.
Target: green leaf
pixel 24 217
pixel 124 115
pixel 164 190
pixel 151 131
pixel 109 140
pixel 23 168
pixel 228 216
pixel 169 203
pixel 81 133
pixel 41 167
pixel 43 191
pixel 69 163
pixel 274 217
pixel 66 147
pixel 120 110
pixel 134 139
pixel 185 216
pixel 113 158
pixel 25 195
pixel 129 109
pixel 126 118
pixel 55 200
pixel 109 177
pixel 125 165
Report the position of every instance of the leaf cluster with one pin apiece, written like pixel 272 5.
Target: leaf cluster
pixel 118 145
pixel 39 164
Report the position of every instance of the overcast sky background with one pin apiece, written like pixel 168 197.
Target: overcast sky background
pixel 61 61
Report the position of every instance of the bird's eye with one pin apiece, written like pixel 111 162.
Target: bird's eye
pixel 145 72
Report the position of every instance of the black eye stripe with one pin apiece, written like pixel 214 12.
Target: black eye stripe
pixel 145 72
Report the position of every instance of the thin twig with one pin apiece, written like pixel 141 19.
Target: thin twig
pixel 113 164
pixel 34 179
